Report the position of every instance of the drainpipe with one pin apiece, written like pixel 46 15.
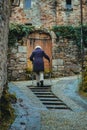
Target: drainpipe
pixel 55 6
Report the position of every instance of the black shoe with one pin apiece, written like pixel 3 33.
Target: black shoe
pixel 37 84
pixel 41 83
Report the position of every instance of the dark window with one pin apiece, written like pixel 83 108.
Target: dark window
pixel 15 2
pixel 27 4
pixel 68 4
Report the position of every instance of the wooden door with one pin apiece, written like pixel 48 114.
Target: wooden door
pixel 44 40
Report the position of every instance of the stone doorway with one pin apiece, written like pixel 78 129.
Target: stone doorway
pixel 44 40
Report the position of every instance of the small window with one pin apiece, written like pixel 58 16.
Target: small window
pixel 68 4
pixel 15 2
pixel 27 4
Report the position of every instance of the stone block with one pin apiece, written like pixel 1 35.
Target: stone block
pixel 54 68
pixel 54 62
pixel 18 55
pixel 60 62
pixel 57 62
pixel 15 73
pixel 14 50
pixel 22 49
pixel 20 71
pixel 60 68
pixel 22 59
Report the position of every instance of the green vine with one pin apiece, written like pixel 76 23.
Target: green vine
pixel 71 32
pixel 17 32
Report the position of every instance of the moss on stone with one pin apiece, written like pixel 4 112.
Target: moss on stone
pixel 83 85
pixel 7 111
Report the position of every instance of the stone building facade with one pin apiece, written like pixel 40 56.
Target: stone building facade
pixel 43 14
pixel 46 13
pixel 4 21
pixel 64 60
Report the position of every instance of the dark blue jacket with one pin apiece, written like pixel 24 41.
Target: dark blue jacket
pixel 37 59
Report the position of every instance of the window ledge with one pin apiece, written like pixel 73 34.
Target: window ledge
pixel 27 9
pixel 68 9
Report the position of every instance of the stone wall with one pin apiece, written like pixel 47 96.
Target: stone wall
pixel 17 62
pixel 65 60
pixel 46 13
pixel 4 16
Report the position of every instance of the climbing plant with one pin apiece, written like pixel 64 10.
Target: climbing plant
pixel 74 33
pixel 71 32
pixel 17 32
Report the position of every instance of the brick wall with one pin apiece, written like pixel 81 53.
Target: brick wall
pixel 4 16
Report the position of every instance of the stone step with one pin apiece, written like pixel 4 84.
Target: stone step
pixel 52 96
pixel 49 99
pixel 42 93
pixel 53 103
pixel 57 107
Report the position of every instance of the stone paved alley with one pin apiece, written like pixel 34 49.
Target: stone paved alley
pixel 33 115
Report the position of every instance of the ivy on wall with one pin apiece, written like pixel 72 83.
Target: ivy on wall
pixel 71 32
pixel 74 33
pixel 17 32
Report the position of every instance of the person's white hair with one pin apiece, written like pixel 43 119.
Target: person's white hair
pixel 38 47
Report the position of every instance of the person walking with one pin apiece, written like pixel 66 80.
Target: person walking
pixel 38 64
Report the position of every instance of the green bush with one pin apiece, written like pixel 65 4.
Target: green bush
pixel 17 32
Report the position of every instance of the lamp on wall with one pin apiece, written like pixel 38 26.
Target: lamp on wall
pixel 15 2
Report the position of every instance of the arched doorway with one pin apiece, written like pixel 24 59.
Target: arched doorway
pixel 44 40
